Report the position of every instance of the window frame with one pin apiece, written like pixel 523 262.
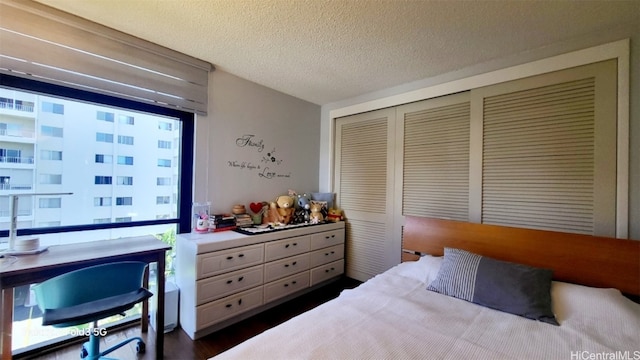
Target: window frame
pixel 187 120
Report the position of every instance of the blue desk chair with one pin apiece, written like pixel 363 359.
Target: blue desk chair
pixel 90 294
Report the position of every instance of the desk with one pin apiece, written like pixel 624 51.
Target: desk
pixel 61 259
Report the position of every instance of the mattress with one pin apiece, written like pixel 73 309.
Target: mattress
pixel 393 316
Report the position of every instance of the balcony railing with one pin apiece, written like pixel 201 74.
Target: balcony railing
pixel 18 133
pixel 16 186
pixel 26 212
pixel 19 107
pixel 16 159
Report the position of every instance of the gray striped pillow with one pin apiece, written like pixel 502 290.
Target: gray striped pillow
pixel 514 288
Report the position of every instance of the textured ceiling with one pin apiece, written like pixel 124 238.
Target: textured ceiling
pixel 326 51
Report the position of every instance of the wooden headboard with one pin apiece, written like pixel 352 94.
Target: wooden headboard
pixel 581 259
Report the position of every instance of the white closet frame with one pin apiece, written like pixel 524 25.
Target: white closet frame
pixel 618 50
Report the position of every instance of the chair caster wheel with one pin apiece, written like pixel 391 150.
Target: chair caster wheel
pixel 83 353
pixel 141 347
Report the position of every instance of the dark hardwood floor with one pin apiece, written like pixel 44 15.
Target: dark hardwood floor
pixel 179 346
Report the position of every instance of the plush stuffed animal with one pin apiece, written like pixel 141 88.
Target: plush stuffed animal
pixel 285 208
pixel 303 209
pixel 334 215
pixel 316 212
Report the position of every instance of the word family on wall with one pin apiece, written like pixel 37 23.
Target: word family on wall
pixel 265 164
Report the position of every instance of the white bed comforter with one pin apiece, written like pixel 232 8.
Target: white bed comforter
pixel 393 316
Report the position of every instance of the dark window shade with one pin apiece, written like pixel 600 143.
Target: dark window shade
pixel 56 47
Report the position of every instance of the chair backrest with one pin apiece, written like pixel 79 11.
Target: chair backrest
pixel 89 284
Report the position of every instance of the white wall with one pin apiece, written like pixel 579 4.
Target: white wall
pixel 230 170
pixel 389 97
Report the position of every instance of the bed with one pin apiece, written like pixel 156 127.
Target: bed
pixel 393 315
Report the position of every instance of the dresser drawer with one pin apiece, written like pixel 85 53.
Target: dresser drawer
pixel 327 238
pixel 326 272
pixel 289 285
pixel 217 287
pixel 214 312
pixel 219 262
pixel 285 267
pixel 326 255
pixel 287 247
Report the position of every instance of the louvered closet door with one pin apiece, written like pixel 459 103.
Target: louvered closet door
pixel 363 184
pixel 434 166
pixel 548 151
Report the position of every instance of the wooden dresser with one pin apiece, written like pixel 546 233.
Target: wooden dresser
pixel 227 276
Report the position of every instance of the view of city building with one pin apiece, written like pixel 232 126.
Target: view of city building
pixel 119 165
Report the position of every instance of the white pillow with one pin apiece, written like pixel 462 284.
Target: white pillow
pixel 424 269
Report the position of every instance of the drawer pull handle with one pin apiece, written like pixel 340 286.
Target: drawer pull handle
pixel 295 262
pixel 228 305
pixel 239 301
pixel 229 257
pixel 286 265
pixel 286 246
pixel 294 282
pixel 329 270
pixel 241 278
pixel 241 255
pixel 286 285
pixel 295 244
pixel 229 281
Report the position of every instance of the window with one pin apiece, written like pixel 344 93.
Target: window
pixel 104 137
pixel 105 116
pixel 51 179
pixel 11 156
pixel 125 160
pixel 126 140
pixel 163 181
pixel 162 144
pixel 50 155
pixel 164 162
pixel 104 159
pixel 163 200
pixel 102 221
pixel 53 108
pixel 124 180
pixel 121 201
pixel 51 131
pixel 102 201
pixel 87 162
pixel 50 203
pixel 163 125
pixel 102 180
pixel 123 219
pixel 125 119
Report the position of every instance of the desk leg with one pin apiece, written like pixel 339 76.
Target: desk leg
pixel 144 320
pixel 160 311
pixel 7 323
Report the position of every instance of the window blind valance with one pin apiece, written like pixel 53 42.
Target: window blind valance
pixel 40 42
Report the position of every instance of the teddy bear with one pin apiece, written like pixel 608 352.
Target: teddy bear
pixel 280 211
pixel 286 205
pixel 334 215
pixel 316 212
pixel 302 209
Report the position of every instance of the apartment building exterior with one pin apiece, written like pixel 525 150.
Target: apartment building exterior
pixel 119 165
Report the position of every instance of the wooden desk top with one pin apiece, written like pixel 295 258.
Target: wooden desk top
pixel 80 254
